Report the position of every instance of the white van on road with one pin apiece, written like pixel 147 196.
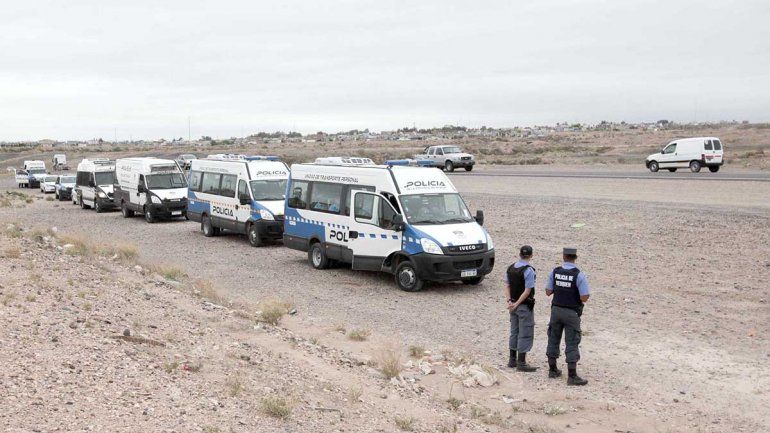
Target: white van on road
pixel 154 187
pixel 31 174
pixel 694 153
pixel 94 184
pixel 244 194
pixel 406 220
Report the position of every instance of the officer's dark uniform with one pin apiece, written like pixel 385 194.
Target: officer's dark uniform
pixel 519 277
pixel 568 283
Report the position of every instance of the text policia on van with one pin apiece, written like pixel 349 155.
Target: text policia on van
pixel 238 193
pixel 406 220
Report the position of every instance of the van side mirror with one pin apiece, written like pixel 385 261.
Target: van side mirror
pixel 141 188
pixel 91 183
pixel 480 217
pixel 244 199
pixel 398 222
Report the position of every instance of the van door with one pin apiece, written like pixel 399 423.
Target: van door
pixel 372 235
pixel 242 211
pixel 89 192
pixel 668 156
pixel 138 199
pixel 714 152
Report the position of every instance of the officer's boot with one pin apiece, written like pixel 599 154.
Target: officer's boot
pixel 521 364
pixel 552 370
pixel 512 359
pixel 573 378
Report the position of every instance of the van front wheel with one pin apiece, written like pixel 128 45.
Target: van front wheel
pixel 654 167
pixel 253 233
pixel 317 256
pixel 208 228
pixel 406 277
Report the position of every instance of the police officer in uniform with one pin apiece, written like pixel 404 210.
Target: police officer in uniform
pixel 520 291
pixel 569 287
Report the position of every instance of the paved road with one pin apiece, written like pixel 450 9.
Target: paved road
pixel 681 174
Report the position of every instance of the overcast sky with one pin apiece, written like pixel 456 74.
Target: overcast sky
pixel 85 69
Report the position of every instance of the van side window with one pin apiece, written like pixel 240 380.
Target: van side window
pixel 670 149
pixel 363 208
pixel 227 188
pixel 298 194
pixel 707 145
pixel 325 197
pixel 195 181
pixel 91 180
pixel 243 190
pixel 386 215
pixel 349 193
pixel 81 179
pixel 210 183
pixel 717 145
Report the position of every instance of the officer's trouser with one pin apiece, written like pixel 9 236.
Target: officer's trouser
pixel 568 321
pixel 522 329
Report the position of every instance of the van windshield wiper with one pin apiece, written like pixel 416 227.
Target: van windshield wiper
pixel 427 222
pixel 457 220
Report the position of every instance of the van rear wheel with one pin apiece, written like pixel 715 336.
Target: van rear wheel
pixel 82 204
pixel 654 167
pixel 208 228
pixel 695 166
pixel 714 168
pixel 406 277
pixel 127 213
pixel 317 256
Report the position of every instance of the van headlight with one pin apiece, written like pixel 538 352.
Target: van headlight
pixel 101 194
pixel 490 244
pixel 430 247
pixel 155 199
pixel 266 215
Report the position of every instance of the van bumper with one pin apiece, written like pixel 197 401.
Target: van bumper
pixel 105 203
pixel 167 209
pixel 272 230
pixel 437 267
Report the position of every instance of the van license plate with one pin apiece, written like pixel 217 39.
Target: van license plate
pixel 176 212
pixel 468 273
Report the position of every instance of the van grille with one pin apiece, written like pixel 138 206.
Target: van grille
pixel 465 249
pixel 469 264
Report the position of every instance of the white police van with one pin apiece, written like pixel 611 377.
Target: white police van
pixel 244 194
pixel 406 220
pixel 94 184
pixel 154 187
pixel 31 175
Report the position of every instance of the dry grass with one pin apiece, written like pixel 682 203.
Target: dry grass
pixel 359 334
pixel 355 393
pixel 554 410
pixel 30 298
pixel 8 298
pixel 454 403
pixel 12 253
pixel 75 245
pixel 389 360
pixel 405 423
pixel 416 351
pixel 170 272
pixel 124 251
pixel 234 385
pixel 170 367
pixel 447 427
pixel 272 311
pixel 276 407
pixel 205 289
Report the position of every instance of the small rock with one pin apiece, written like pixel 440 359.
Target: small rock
pixel 292 312
pixel 126 332
pixel 73 325
pixel 426 368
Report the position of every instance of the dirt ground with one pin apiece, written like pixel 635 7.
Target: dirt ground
pixel 675 335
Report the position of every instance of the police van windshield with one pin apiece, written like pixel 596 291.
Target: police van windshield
pixel 67 179
pixel 104 177
pixel 36 171
pixel 268 189
pixel 165 181
pixel 435 209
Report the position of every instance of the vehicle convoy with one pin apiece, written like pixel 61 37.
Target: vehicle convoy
pixel 406 220
pixel 48 184
pixel 64 186
pixel 60 162
pixel 694 153
pixel 447 157
pixel 94 184
pixel 153 187
pixel 243 194
pixel 31 174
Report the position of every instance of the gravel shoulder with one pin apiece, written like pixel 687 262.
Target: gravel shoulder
pixel 676 330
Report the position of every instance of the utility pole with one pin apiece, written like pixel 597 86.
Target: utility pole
pixel 115 136
pixel 188 129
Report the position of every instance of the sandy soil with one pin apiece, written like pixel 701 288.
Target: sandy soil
pixel 677 329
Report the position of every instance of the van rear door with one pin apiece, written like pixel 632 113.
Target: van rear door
pixel 712 151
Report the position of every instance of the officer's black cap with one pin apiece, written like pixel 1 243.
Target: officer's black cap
pixel 526 250
pixel 570 251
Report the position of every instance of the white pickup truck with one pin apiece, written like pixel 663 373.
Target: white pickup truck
pixel 447 157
